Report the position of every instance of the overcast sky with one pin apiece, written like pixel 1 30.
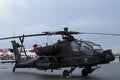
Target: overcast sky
pixel 19 17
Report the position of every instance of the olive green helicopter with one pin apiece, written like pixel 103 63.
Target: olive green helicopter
pixel 68 52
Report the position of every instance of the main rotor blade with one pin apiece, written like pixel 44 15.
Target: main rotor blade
pixel 59 33
pixel 32 35
pixel 100 33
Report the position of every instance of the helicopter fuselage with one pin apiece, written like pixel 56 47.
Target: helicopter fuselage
pixel 73 53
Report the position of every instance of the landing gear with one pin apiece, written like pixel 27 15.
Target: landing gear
pixel 84 72
pixel 13 69
pixel 66 73
pixel 88 70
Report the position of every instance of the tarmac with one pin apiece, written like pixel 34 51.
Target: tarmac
pixel 107 72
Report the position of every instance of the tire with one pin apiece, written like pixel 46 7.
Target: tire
pixel 13 69
pixel 65 73
pixel 84 72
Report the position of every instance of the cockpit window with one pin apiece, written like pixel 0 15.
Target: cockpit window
pixel 86 48
pixel 75 46
pixel 78 46
pixel 95 46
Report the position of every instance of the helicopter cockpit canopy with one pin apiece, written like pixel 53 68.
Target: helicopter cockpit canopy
pixel 94 45
pixel 86 47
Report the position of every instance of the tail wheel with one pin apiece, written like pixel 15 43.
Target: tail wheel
pixel 65 73
pixel 13 69
pixel 85 72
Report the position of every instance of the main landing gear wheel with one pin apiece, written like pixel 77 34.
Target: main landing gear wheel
pixel 65 73
pixel 85 72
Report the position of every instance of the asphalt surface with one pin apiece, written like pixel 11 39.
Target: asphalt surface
pixel 107 72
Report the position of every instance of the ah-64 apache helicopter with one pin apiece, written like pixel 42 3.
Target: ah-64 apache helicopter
pixel 69 52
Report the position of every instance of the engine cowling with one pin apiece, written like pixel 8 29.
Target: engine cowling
pixel 49 50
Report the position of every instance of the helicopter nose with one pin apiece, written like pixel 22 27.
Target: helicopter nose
pixel 108 55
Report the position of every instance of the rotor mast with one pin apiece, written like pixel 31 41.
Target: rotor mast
pixel 67 35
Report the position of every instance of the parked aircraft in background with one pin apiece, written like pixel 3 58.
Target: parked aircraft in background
pixel 6 56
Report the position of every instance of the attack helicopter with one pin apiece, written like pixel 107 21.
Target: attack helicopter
pixel 68 52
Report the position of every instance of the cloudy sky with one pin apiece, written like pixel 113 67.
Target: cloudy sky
pixel 19 17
